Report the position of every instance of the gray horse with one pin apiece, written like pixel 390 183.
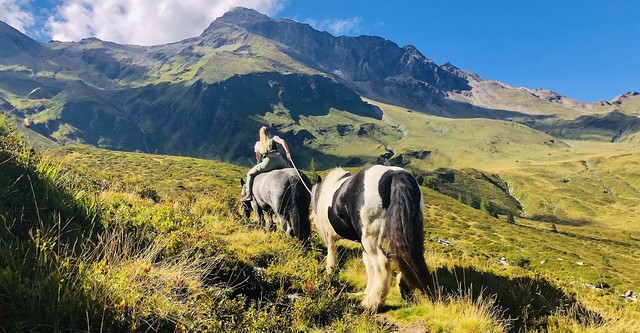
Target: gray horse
pixel 281 191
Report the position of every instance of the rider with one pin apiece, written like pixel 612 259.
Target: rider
pixel 267 157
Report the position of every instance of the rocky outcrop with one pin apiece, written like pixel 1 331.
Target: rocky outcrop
pixel 618 100
pixel 372 65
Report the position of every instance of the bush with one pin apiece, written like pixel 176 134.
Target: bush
pixel 487 207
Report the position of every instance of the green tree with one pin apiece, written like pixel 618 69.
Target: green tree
pixel 312 165
pixel 487 207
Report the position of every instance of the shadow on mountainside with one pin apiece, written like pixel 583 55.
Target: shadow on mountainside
pixel 524 302
pixel 575 222
pixel 449 108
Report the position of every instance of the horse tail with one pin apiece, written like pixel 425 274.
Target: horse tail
pixel 300 201
pixel 404 227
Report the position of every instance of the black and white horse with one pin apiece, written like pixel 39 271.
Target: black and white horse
pixel 375 206
pixel 281 191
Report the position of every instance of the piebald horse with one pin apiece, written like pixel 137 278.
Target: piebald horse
pixel 375 206
pixel 282 192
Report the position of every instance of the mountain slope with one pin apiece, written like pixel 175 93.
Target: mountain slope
pixel 372 65
pixel 154 96
pixel 15 44
pixel 542 271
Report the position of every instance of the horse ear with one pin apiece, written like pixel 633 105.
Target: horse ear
pixel 242 181
pixel 318 179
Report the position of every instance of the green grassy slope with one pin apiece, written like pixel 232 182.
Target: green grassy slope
pixel 501 96
pixel 473 143
pixel 574 182
pixel 336 138
pixel 166 174
pixel 557 264
pixel 88 248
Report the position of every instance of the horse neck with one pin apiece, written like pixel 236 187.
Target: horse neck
pixel 325 198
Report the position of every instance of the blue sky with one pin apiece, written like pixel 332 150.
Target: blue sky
pixel 585 49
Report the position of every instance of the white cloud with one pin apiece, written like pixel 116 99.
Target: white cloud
pixel 143 22
pixel 16 13
pixel 337 26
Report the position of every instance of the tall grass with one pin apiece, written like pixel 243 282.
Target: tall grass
pixel 43 226
pixel 81 254
pixel 88 250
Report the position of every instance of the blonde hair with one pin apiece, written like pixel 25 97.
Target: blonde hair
pixel 264 142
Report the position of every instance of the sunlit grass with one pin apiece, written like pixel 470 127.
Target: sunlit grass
pixel 174 247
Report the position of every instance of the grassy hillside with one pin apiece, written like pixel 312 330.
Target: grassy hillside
pixel 542 283
pixel 569 182
pixel 95 251
pixel 335 138
pixel 501 96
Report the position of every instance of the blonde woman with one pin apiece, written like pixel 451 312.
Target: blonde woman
pixel 267 157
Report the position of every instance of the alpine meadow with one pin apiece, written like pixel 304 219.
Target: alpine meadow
pixel 120 193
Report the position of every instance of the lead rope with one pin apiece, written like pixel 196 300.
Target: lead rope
pixel 299 175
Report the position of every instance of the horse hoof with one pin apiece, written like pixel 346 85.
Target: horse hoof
pixel 406 292
pixel 371 308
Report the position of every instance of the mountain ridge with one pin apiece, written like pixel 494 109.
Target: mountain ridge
pixel 101 81
pixel 15 42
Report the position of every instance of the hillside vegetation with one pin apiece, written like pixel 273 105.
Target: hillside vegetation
pixel 168 250
pixel 531 198
pixel 569 182
pixel 203 96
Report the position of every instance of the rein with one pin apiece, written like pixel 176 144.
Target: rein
pixel 300 176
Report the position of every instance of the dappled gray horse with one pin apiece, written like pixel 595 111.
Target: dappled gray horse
pixel 282 192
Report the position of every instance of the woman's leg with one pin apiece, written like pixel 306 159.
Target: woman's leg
pixel 272 163
pixel 267 164
pixel 257 169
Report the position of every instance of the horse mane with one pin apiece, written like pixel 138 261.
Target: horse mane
pixel 334 176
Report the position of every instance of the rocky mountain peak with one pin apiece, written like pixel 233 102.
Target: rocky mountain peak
pixel 14 42
pixel 621 98
pixel 239 16
pixel 242 14
pixel 449 67
pixel 412 50
pixel 368 64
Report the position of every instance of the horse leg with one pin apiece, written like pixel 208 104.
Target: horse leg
pixel 284 223
pixel 332 247
pixel 259 212
pixel 272 225
pixel 262 220
pixel 368 265
pixel 381 274
pixel 404 288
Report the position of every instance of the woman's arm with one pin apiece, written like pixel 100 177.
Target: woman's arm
pixel 258 157
pixel 283 143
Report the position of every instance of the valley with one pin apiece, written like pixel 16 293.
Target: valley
pixel 120 168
